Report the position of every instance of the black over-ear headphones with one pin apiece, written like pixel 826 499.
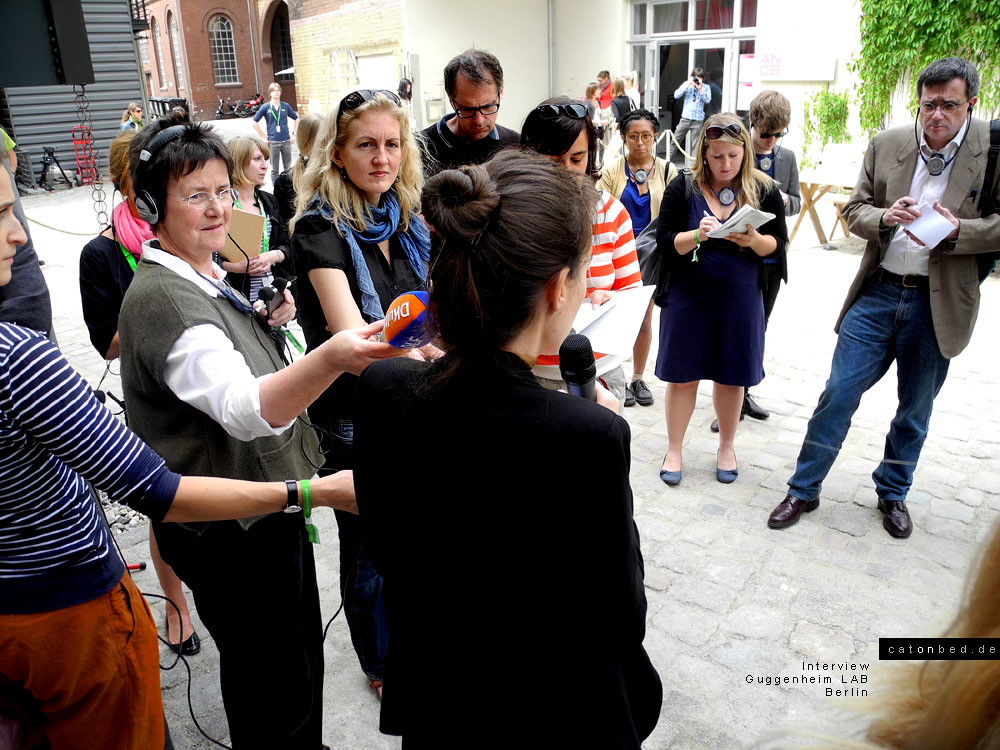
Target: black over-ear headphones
pixel 145 202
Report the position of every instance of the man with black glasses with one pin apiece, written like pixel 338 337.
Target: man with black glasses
pixel 913 303
pixel 469 135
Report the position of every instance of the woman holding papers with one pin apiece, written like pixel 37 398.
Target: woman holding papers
pixel 562 130
pixel 712 321
pixel 358 244
pixel 250 157
pixel 508 629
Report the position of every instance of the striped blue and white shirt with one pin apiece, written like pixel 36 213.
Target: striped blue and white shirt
pixel 55 548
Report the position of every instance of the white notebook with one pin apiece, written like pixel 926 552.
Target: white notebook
pixel 737 223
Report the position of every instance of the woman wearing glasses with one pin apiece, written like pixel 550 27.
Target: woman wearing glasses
pixel 206 388
pixel 562 130
pixel 638 181
pixel 357 244
pixel 132 117
pixel 712 322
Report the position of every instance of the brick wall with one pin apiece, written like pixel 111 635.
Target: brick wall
pixel 318 27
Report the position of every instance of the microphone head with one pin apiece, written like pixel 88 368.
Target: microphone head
pixel 408 321
pixel 576 359
pixel 281 284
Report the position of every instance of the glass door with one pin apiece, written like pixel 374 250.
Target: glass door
pixel 714 57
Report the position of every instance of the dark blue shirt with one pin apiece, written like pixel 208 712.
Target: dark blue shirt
pixel 636 204
pixel 277 121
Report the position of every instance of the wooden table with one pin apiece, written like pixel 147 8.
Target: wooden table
pixel 838 168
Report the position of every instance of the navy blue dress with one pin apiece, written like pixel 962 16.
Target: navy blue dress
pixel 712 322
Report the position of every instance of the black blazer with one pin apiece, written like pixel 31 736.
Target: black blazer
pixel 278 240
pixel 500 516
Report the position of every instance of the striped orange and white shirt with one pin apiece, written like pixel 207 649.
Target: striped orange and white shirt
pixel 614 266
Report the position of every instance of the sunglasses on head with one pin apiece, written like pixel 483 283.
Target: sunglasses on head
pixel 575 110
pixel 356 98
pixel 715 132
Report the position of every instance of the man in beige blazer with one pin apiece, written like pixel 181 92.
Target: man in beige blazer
pixel 912 304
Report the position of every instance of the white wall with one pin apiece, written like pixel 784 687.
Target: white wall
pixel 589 36
pixel 827 30
pixel 516 31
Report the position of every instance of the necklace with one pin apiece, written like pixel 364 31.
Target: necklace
pixel 641 175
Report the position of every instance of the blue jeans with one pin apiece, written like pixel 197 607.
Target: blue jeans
pixel 360 585
pixel 886 323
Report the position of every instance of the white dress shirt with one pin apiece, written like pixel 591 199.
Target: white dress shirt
pixel 903 256
pixel 204 370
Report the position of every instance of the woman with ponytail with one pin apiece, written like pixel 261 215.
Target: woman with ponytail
pixel 357 243
pixel 499 512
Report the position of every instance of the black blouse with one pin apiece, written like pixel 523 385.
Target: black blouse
pixel 105 276
pixel 316 243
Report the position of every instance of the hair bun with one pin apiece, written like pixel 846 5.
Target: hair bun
pixel 459 203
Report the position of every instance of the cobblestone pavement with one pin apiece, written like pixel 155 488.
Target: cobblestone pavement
pixel 730 601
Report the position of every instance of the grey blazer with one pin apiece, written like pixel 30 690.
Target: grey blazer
pixel 786 173
pixel 953 275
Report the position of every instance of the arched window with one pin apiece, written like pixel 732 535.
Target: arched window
pixel 220 34
pixel 158 53
pixel 175 48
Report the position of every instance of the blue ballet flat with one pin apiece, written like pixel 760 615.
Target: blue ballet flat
pixel 726 476
pixel 673 478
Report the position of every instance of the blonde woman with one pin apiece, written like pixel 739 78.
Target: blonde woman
pixel 712 321
pixel 358 243
pixel 287 185
pixel 132 117
pixel 250 157
pixel 632 89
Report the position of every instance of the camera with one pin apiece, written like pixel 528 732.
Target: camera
pixel 696 80
pixel 49 155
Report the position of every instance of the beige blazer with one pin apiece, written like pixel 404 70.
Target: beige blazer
pixel 613 180
pixel 953 277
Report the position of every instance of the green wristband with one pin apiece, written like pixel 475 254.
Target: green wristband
pixel 306 497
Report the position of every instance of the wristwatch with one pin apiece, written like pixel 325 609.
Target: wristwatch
pixel 293 497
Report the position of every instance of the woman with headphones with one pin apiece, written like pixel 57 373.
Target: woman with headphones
pixel 206 387
pixel 638 180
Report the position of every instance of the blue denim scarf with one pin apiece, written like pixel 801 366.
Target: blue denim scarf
pixel 382 224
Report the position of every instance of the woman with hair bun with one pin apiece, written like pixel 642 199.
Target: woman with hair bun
pixel 513 579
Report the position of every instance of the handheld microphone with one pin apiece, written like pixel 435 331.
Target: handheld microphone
pixel 408 321
pixel 577 367
pixel 269 298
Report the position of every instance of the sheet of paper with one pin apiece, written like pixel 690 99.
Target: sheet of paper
pixel 737 223
pixel 615 330
pixel 931 227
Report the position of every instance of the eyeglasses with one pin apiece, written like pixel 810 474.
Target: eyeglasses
pixel 356 98
pixel 465 113
pixel 715 132
pixel 947 107
pixel 551 111
pixel 202 200
pixel 782 134
pixel 636 137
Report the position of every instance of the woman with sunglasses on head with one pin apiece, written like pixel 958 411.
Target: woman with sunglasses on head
pixel 358 244
pixel 270 257
pixel 562 130
pixel 712 321
pixel 515 622
pixel 638 180
pixel 207 388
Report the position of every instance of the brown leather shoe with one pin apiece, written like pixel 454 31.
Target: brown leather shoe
pixel 788 511
pixel 897 518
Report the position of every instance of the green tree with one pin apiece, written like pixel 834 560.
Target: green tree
pixel 900 37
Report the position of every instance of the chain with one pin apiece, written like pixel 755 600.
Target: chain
pixel 90 154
